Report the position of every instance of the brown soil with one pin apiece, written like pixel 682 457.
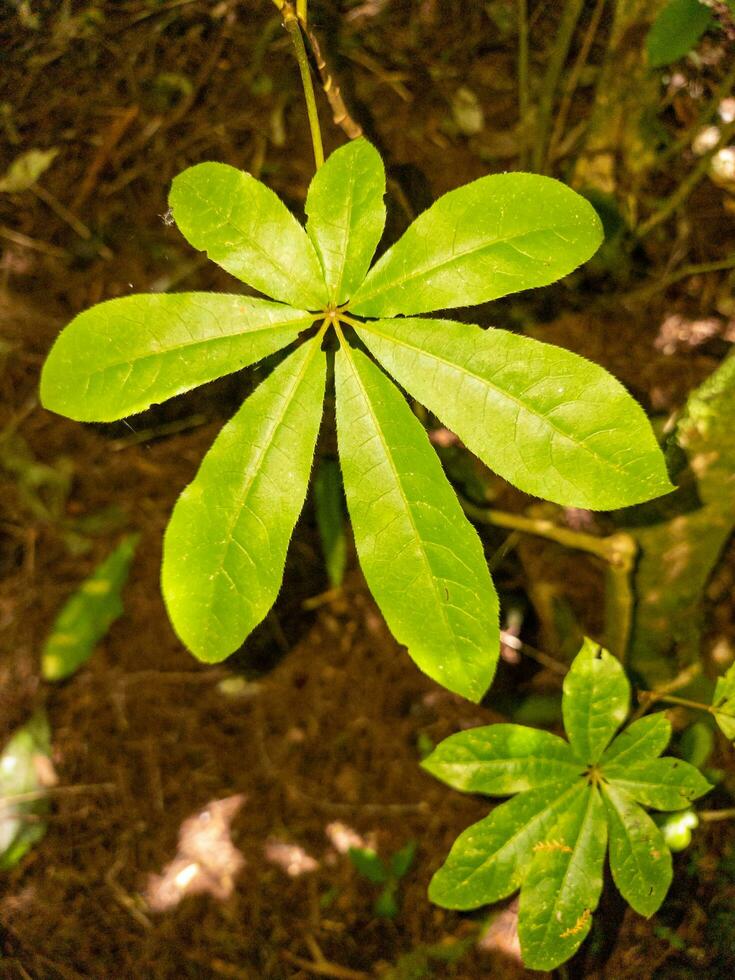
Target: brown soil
pixel 329 726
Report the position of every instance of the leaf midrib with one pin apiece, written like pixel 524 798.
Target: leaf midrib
pixel 193 344
pixel 367 325
pixel 334 295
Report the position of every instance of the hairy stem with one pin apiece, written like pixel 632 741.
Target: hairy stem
pixel 649 697
pixel 293 26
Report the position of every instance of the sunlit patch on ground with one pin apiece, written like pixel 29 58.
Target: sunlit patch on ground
pixel 290 858
pixel 342 837
pixel 501 934
pixel 207 861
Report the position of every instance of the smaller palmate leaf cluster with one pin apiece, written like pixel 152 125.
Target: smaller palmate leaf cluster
pixel 545 419
pixel 575 799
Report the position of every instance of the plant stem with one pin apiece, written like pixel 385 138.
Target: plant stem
pixel 651 696
pixel 710 816
pixel 523 81
pixel 569 18
pixel 685 188
pixel 340 113
pixel 618 549
pixel 292 25
pixel 572 82
pixel 682 679
pixel 683 272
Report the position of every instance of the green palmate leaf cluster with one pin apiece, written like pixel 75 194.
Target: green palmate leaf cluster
pixel 543 418
pixel 576 800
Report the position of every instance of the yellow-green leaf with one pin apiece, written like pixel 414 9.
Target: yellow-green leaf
pixel 595 701
pixel 347 215
pixel 549 421
pixel 640 861
pixel 497 235
pixel 563 884
pixel 246 228
pixel 122 356
pixel 422 559
pixel 225 545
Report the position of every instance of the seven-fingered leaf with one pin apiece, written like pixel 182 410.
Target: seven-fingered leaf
pixel 550 840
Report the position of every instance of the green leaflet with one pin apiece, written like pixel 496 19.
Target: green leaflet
pixel 549 421
pixel 226 542
pixel 647 736
pixel 88 614
pixel 664 784
pixel 246 228
pixel 347 215
pixel 595 701
pixel 489 860
pixel 497 235
pixel 563 884
pixel 121 356
pixel 401 861
pixel 503 759
pixel 640 861
pixel 723 701
pixel 428 574
pixel 368 864
pixel 676 31
pixel 330 519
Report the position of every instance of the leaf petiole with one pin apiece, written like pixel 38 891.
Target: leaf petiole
pixel 292 25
